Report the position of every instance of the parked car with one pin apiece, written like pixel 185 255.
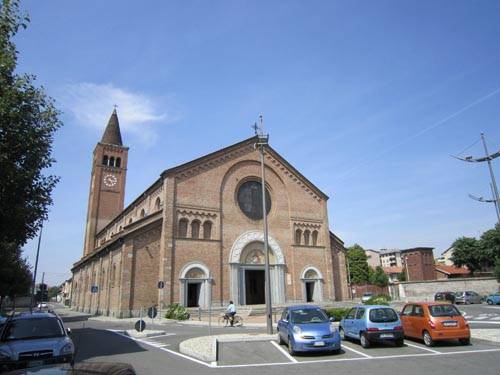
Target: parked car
pixel 307 329
pixel 366 296
pixel 445 296
pixel 369 324
pixel 468 297
pixel 493 299
pixel 43 305
pixel 34 340
pixel 434 322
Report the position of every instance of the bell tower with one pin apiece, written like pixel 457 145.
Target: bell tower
pixel 107 182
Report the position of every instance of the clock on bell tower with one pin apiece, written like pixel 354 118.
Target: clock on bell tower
pixel 107 182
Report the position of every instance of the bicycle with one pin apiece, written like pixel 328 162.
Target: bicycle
pixel 224 320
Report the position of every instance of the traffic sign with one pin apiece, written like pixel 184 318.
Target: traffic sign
pixel 140 325
pixel 152 312
pixel 94 289
pixel 161 284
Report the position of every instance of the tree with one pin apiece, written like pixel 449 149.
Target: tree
pixel 28 121
pixel 379 277
pixel 15 277
pixel 466 252
pixel 53 292
pixel 489 244
pixel 358 265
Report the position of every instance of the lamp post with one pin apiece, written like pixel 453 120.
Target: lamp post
pixel 36 267
pixel 262 142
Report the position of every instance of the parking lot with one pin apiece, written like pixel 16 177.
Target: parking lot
pixel 270 353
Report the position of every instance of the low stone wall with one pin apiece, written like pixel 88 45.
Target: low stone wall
pixel 425 290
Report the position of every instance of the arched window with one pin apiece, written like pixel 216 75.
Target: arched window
pixel 195 229
pixel 157 204
pixel 207 230
pixel 143 213
pixel 315 238
pixel 118 162
pixel 105 160
pixel 112 161
pixel 298 236
pixel 182 228
pixel 307 234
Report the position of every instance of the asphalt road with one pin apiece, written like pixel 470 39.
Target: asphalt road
pixel 159 355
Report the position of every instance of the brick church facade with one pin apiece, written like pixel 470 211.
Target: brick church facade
pixel 197 231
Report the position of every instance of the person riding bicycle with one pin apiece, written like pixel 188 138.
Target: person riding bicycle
pixel 231 312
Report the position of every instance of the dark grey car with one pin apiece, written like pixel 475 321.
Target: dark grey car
pixel 468 297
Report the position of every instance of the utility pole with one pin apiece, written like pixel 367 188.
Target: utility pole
pixel 487 158
pixel 43 286
pixel 36 267
pixel 262 142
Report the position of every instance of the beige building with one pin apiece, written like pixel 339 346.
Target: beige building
pixel 373 258
pixel 194 236
pixel 390 258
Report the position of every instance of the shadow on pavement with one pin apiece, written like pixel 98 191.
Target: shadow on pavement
pixel 92 343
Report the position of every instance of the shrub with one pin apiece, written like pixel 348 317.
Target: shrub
pixel 380 299
pixel 177 312
pixel 337 312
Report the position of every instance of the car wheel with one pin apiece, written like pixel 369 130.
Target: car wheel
pixel 464 341
pixel 400 342
pixel 342 334
pixel 489 302
pixel 428 341
pixel 281 341
pixel 365 343
pixel 290 347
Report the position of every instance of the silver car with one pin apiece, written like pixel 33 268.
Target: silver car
pixel 34 339
pixel 468 297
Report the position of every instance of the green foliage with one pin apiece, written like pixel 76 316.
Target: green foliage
pixel 28 121
pixel 380 299
pixel 401 276
pixel 177 312
pixel 379 277
pixel 53 291
pixel 466 253
pixel 358 265
pixel 337 312
pixel 479 254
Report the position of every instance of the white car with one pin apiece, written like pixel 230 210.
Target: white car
pixel 43 305
pixel 366 297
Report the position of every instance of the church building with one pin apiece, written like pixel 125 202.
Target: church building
pixel 195 234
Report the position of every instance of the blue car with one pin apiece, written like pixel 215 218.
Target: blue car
pixel 370 324
pixel 493 299
pixel 308 329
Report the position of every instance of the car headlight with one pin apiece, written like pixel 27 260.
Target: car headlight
pixel 4 355
pixel 332 328
pixel 297 330
pixel 67 349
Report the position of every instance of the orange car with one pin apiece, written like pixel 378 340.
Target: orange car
pixel 432 321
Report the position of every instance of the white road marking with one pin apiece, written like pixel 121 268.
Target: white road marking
pixel 165 335
pixel 356 351
pixel 283 351
pixel 422 347
pixel 358 359
pixel 496 318
pixel 481 317
pixel 483 322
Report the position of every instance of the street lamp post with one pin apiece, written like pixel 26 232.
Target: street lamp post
pixel 36 267
pixel 262 141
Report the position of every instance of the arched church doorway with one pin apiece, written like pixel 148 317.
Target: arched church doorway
pixel 195 285
pixel 247 263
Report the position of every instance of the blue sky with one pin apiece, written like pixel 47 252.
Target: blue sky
pixel 368 99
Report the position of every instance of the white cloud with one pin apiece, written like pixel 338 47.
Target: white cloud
pixel 91 105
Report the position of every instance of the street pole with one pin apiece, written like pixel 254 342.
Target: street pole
pixel 43 278
pixel 36 267
pixel 492 175
pixel 496 202
pixel 261 143
pixel 348 276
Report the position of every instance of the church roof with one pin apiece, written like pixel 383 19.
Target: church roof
pixel 248 141
pixel 112 135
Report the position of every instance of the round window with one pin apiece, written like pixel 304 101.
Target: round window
pixel 250 199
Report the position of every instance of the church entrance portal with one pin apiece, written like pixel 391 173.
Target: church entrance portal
pixel 193 294
pixel 255 287
pixel 310 291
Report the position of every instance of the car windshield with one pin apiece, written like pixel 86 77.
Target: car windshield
pixel 383 315
pixel 443 310
pixel 305 316
pixel 25 329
